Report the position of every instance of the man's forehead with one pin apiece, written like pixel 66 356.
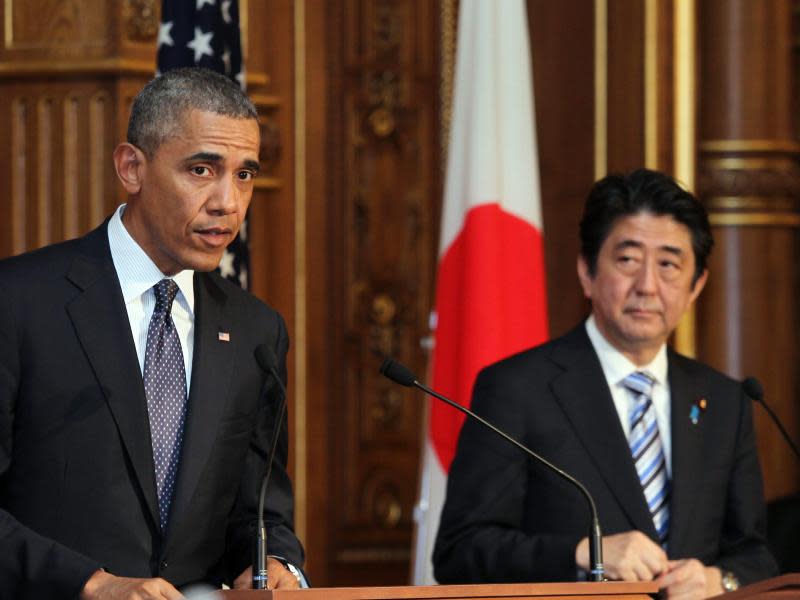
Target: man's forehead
pixel 211 132
pixel 197 122
pixel 650 230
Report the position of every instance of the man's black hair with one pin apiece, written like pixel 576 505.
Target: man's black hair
pixel 642 191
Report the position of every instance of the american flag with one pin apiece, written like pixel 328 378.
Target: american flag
pixel 205 33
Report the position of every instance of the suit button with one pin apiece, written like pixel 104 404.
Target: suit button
pixel 163 566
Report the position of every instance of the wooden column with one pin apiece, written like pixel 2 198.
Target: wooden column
pixel 748 177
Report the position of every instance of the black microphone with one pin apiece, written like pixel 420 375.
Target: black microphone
pixel 402 375
pixel 752 387
pixel 266 359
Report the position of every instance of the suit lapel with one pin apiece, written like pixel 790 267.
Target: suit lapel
pixel 101 323
pixel 686 453
pixel 212 369
pixel 585 398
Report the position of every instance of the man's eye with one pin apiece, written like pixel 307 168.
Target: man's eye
pixel 670 269
pixel 200 170
pixel 246 175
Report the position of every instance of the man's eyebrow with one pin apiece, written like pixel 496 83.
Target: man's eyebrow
pixel 253 165
pixel 213 157
pixel 624 244
pixel 205 156
pixel 672 250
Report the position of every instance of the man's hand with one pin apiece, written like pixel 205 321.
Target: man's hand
pixel 278 578
pixel 105 586
pixel 629 556
pixel 690 579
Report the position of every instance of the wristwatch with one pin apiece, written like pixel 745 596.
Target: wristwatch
pixel 292 569
pixel 730 583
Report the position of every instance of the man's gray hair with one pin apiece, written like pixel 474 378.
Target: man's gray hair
pixel 158 110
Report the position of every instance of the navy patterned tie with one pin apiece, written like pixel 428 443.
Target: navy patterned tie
pixel 648 454
pixel 165 388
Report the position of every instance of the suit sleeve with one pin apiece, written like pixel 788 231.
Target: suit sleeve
pixel 279 502
pixel 482 535
pixel 30 565
pixel 743 549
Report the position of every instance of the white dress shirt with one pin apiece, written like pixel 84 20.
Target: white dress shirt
pixel 137 275
pixel 616 367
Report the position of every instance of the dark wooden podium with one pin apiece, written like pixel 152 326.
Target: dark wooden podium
pixel 518 591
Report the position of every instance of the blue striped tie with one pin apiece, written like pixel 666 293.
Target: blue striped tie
pixel 648 454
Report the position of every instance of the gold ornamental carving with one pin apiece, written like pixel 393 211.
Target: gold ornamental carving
pixel 387 509
pixel 384 95
pixel 386 30
pixel 382 122
pixel 383 334
pixel 750 182
pixel 271 144
pixel 387 408
pixel 381 499
pixel 141 20
pixel 757 183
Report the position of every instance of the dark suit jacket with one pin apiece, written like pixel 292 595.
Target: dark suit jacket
pixel 77 483
pixel 506 518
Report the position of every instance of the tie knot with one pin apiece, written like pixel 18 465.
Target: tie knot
pixel 165 291
pixel 640 383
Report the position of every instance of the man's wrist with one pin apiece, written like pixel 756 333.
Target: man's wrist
pixel 582 554
pixel 298 574
pixel 93 583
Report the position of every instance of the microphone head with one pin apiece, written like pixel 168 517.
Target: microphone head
pixel 397 372
pixel 752 387
pixel 265 357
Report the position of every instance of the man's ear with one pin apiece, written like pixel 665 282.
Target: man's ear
pixel 585 277
pixel 698 286
pixel 129 161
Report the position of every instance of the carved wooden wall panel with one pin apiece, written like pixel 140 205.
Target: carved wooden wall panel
pixel 59 151
pixel 65 84
pixel 389 174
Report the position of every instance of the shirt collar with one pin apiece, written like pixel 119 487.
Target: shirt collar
pixel 616 366
pixel 136 271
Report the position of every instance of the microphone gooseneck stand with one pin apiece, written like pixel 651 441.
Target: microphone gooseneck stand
pixel 265 358
pixel 403 376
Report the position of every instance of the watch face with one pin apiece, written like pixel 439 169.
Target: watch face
pixel 729 582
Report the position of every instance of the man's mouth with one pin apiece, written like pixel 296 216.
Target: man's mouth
pixel 637 311
pixel 215 236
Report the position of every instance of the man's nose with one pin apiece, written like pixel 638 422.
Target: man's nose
pixel 224 197
pixel 646 278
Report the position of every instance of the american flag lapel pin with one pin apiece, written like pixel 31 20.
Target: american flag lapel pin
pixel 224 336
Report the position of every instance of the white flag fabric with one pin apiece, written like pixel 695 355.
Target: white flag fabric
pixel 490 293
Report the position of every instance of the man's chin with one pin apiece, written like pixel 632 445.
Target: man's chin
pixel 203 264
pixel 644 335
